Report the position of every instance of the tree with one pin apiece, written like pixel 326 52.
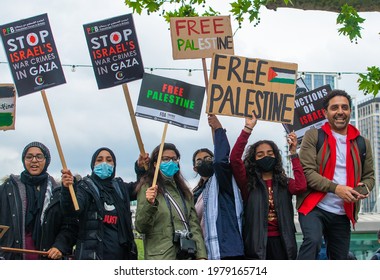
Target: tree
pixel 328 5
pixel 348 18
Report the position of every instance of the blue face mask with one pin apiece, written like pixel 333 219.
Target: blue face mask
pixel 103 170
pixel 169 168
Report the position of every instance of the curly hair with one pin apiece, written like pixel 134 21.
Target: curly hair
pixel 254 172
pixel 147 178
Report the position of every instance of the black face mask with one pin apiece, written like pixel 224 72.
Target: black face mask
pixel 266 164
pixel 206 168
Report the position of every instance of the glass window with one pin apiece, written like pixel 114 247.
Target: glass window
pixel 330 80
pixel 318 81
pixel 308 81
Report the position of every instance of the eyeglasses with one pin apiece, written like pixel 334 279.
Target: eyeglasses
pixel 206 158
pixel 30 157
pixel 167 159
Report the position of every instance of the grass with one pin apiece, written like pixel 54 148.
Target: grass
pixel 140 248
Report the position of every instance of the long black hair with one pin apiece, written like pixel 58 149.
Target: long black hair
pixel 147 178
pixel 253 171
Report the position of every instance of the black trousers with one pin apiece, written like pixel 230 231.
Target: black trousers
pixel 335 229
pixel 276 249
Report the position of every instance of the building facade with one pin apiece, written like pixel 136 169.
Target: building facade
pixel 316 80
pixel 368 122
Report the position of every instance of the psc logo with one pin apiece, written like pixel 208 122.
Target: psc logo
pixel 39 80
pixel 119 75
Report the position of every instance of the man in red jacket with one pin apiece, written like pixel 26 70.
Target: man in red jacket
pixel 330 202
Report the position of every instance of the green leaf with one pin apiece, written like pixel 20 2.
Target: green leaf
pixel 351 21
pixel 370 83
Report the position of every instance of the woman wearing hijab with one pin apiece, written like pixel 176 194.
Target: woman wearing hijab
pixel 105 231
pixel 29 206
pixel 165 213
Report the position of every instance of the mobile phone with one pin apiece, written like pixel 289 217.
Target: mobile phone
pixel 361 189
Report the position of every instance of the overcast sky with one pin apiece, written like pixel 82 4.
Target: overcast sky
pixel 87 118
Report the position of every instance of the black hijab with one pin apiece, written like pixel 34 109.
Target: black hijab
pixel 109 195
pixel 94 156
pixel 35 197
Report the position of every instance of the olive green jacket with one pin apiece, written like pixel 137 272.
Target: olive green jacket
pixel 153 221
pixel 311 161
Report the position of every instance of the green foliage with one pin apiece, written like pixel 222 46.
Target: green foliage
pixel 351 21
pixel 240 10
pixel 250 9
pixel 176 8
pixel 370 82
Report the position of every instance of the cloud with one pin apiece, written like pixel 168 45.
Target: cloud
pixel 87 118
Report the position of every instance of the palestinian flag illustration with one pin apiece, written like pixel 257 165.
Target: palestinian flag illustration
pixel 282 76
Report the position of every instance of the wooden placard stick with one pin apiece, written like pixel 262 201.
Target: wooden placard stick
pixel 134 122
pixel 159 155
pixel 58 144
pixel 205 72
pixel 3 230
pixel 23 251
pixel 205 75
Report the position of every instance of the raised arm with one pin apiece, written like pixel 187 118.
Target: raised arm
pixel 237 164
pixel 298 184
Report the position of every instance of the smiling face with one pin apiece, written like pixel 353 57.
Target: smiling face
pixel 34 161
pixel 338 114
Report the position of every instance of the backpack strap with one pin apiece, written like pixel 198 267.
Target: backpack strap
pixel 362 148
pixel 116 182
pixel 321 139
pixel 89 182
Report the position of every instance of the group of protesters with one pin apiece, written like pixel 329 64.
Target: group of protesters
pixel 241 208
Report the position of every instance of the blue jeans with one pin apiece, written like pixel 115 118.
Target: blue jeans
pixel 334 228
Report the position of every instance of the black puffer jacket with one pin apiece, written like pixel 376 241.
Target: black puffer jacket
pixel 91 212
pixel 255 229
pixel 57 230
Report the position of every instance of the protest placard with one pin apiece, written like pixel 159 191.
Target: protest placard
pixel 239 86
pixel 7 107
pixel 170 101
pixel 35 65
pixel 301 86
pixel 308 111
pixel 114 51
pixel 32 54
pixel 200 37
